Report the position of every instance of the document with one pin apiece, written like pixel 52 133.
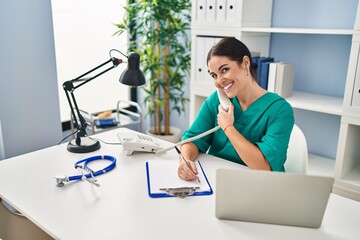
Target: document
pixel 163 174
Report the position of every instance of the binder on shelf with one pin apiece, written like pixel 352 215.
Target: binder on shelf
pixel 284 81
pixel 264 75
pixel 232 9
pixel 200 64
pixel 220 10
pixel 163 180
pixel 272 76
pixel 256 61
pixel 210 10
pixel 209 43
pixel 200 10
pixel 259 61
pixel 215 41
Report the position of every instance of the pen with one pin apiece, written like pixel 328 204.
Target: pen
pixel 187 164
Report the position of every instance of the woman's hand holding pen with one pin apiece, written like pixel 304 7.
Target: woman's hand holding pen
pixel 185 173
pixel 187 169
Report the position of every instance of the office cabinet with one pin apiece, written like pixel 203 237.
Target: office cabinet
pixel 347 170
pixel 321 38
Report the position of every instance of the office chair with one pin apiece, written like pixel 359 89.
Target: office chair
pixel 297 154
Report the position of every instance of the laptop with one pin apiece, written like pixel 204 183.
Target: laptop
pixel 272 197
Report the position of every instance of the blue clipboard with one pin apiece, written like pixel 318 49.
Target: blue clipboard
pixel 164 173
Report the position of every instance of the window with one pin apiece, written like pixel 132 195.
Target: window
pixel 83 32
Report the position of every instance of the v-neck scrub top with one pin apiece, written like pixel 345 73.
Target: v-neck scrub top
pixel 267 122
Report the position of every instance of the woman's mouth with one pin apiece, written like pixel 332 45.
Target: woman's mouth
pixel 227 87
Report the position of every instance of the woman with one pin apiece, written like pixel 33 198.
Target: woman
pixel 257 127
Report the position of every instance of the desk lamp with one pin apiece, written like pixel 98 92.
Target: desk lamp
pixel 132 76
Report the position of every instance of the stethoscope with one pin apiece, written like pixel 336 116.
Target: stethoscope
pixel 90 175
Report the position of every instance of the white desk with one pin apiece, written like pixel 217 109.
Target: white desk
pixel 121 208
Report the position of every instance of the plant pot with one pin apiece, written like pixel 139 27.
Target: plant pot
pixel 175 136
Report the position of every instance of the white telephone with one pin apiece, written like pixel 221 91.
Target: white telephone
pixel 132 142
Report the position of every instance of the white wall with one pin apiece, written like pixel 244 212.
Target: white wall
pixel 83 38
pixel 29 102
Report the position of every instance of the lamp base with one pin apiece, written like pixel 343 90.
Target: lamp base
pixel 87 145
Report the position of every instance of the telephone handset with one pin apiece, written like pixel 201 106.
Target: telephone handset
pixel 225 103
pixel 224 100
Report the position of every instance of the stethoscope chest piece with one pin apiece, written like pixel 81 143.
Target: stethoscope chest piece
pixel 86 173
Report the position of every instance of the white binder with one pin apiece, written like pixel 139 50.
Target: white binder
pixel 209 43
pixel 220 10
pixel 200 10
pixel 272 76
pixel 285 73
pixel 210 10
pixel 200 64
pixel 233 8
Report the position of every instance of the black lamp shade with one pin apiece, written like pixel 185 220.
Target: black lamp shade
pixel 132 75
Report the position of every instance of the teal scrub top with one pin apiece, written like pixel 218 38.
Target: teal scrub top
pixel 267 122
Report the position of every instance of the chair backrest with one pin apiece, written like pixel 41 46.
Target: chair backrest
pixel 297 154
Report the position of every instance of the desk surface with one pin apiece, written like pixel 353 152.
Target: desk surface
pixel 121 209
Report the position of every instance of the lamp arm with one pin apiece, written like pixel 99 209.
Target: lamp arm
pixel 69 89
pixel 73 106
pixel 80 78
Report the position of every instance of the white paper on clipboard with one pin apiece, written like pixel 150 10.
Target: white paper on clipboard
pixel 164 174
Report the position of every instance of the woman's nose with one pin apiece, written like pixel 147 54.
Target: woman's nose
pixel 221 79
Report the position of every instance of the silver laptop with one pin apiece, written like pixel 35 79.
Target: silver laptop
pixel 271 197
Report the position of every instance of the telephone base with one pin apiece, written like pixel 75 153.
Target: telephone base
pixel 137 142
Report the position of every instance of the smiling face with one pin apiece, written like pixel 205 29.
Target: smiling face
pixel 230 76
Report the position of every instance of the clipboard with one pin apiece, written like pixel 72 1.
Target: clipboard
pixel 163 181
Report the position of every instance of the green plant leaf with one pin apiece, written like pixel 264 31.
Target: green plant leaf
pixel 162 35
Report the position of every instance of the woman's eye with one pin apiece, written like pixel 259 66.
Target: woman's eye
pixel 224 70
pixel 213 76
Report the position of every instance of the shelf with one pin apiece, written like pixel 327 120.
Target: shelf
pixel 321 166
pixel 349 185
pixel 223 32
pixel 300 30
pixel 353 176
pixel 318 34
pixel 299 100
pixel 316 102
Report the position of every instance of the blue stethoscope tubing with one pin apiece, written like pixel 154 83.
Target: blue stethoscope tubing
pixel 86 161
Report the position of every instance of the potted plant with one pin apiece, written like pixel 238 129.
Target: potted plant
pixel 162 39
